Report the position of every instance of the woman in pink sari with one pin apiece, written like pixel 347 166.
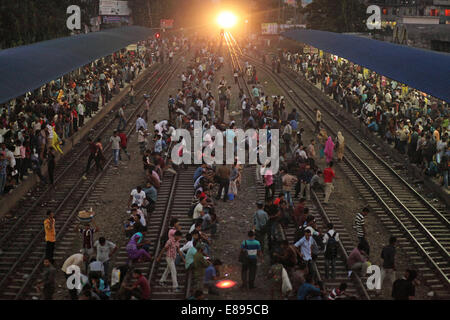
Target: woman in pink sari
pixel 329 149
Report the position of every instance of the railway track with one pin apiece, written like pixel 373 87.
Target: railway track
pixel 236 65
pixel 22 240
pixel 174 197
pixel 423 230
pixel 183 193
pixel 356 285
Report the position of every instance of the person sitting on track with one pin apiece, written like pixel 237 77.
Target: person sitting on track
pixel 135 254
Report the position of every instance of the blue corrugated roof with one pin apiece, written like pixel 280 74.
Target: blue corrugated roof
pixel 427 71
pixel 26 68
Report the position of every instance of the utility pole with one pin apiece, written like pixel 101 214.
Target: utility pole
pixel 149 13
pixel 279 11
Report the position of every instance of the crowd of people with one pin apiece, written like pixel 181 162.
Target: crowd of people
pixel 415 123
pixel 292 265
pixel 34 126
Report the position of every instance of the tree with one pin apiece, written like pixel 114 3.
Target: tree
pixel 336 16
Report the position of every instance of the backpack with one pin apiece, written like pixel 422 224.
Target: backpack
pixel 243 255
pixel 299 233
pixel 332 245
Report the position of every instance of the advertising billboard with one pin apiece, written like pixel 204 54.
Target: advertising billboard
pixel 166 23
pixel 114 8
pixel 269 28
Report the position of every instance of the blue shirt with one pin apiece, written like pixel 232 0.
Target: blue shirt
pixel 373 125
pixel 141 123
pixel 210 273
pixel 159 146
pixel 305 289
pixel 252 247
pixel 294 125
pixel 190 256
pixel 230 136
pixel 3 165
pixel 151 193
pixel 260 219
pixel 198 173
pixel 305 247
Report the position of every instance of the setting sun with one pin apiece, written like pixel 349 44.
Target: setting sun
pixel 226 19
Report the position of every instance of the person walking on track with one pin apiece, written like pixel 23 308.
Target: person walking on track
pixel 359 226
pixel 131 94
pixel 340 146
pixel 318 120
pixel 261 224
pixel 248 257
pixel 171 249
pixel 329 150
pixel 122 122
pixel 92 152
pixel 328 176
pixel 47 285
pixel 123 144
pixel 115 146
pixel 50 235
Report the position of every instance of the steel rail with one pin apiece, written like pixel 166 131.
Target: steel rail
pixel 163 227
pixel 380 159
pixel 427 233
pixel 167 74
pixel 19 221
pixel 343 252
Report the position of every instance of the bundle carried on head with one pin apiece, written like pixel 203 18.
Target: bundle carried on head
pixel 86 216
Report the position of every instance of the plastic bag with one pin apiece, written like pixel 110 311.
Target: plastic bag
pixel 286 285
pixel 233 188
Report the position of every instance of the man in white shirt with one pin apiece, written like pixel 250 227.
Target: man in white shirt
pixel 301 153
pixel 160 126
pixel 199 103
pixel 305 244
pixel 388 97
pixel 105 249
pixel 244 104
pixel 80 110
pixel 97 267
pixel 370 107
pixel 137 196
pixel 140 122
pixel 199 209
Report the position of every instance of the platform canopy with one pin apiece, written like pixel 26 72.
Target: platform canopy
pixel 26 68
pixel 424 70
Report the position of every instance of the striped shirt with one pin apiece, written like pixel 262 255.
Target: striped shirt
pixel 336 293
pixel 359 223
pixel 172 247
pixel 252 247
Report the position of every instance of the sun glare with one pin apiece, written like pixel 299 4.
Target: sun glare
pixel 226 19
